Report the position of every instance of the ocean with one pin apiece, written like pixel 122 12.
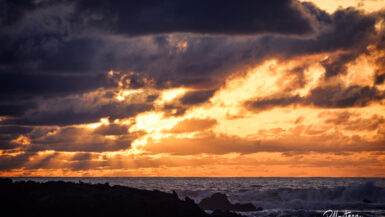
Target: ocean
pixel 277 196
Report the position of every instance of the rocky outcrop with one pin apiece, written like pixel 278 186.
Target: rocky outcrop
pixel 219 201
pixel 64 199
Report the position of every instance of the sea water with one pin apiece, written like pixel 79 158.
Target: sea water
pixel 277 196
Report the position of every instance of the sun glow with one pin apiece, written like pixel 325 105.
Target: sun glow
pixel 103 121
pixel 269 78
pixel 332 5
pixel 169 95
pixel 122 94
pixel 22 140
pixel 153 123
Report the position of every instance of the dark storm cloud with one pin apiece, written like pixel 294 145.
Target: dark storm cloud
pixel 16 109
pixel 151 17
pixel 14 162
pixel 351 121
pixel 68 33
pixel 339 97
pixel 348 29
pixel 152 97
pixel 380 78
pixel 13 11
pixel 82 156
pixel 199 16
pixel 187 101
pixel 263 104
pixel 66 37
pixel 69 40
pixel 324 97
pixel 15 129
pixel 337 66
pixel 9 133
pixel 112 129
pixel 5 140
pixel 380 72
pixel 174 109
pixel 208 60
pixel 25 86
pixel 70 116
pixel 74 139
pixel 66 139
pixel 196 97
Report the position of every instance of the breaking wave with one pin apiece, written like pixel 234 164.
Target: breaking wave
pixel 365 196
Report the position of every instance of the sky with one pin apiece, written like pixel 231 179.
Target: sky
pixel 192 88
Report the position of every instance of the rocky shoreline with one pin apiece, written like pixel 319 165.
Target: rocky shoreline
pixel 58 198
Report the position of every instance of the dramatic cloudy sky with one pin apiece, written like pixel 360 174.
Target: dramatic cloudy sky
pixel 192 88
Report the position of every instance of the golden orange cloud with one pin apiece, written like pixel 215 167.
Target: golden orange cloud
pixel 222 136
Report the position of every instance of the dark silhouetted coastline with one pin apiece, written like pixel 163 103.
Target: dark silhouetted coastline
pixel 58 198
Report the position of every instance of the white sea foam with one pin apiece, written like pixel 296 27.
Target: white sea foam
pixel 362 196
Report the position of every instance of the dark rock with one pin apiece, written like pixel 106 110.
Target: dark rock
pixel 61 199
pixel 188 200
pixel 259 209
pixel 219 201
pixel 174 193
pixel 216 201
pixel 6 181
pixel 367 201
